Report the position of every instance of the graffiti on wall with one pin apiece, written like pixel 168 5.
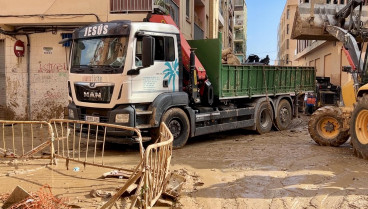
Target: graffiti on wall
pixel 53 68
pixel 54 95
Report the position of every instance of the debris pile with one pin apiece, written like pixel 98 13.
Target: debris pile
pixel 228 57
pixel 40 199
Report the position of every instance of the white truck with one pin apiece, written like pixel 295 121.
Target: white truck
pixel 140 74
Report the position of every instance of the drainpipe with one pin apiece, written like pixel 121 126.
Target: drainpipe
pixel 28 77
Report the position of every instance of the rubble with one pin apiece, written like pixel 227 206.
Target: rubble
pixel 18 195
pixel 228 57
pixel 40 199
pixel 175 185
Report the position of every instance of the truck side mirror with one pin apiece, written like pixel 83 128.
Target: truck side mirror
pixel 148 54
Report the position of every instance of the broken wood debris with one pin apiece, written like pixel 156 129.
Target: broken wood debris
pixel 116 174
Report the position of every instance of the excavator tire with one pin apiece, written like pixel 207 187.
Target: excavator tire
pixel 325 127
pixel 359 128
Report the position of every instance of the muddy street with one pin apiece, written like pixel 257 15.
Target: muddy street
pixel 276 170
pixel 236 169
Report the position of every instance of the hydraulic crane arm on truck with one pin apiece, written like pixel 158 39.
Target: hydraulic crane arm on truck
pixel 140 74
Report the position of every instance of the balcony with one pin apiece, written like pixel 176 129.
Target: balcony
pixel 125 6
pixel 239 35
pixel 238 48
pixel 239 22
pixel 239 2
pixel 198 32
pixel 239 5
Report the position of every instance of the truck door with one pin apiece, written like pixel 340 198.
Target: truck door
pixel 162 76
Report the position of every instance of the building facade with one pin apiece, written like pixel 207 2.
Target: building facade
pixel 326 56
pixel 240 30
pixel 34 85
pixel 286 45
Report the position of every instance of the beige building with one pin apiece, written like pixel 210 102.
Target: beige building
pixel 240 30
pixel 286 45
pixel 34 86
pixel 222 20
pixel 326 56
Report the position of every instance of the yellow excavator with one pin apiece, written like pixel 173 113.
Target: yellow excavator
pixel 330 125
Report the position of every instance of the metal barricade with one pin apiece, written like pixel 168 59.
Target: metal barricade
pixel 25 139
pixel 157 164
pixel 77 141
pixel 153 172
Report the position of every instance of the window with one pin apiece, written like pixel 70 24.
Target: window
pixel 164 49
pixel 67 35
pixel 169 49
pixel 187 9
pixel 342 1
pixel 138 52
pixel 287 13
pixel 287 43
pixel 159 48
pixel 335 1
pixel 287 29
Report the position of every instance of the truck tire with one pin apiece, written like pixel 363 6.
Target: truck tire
pixel 283 115
pixel 264 118
pixel 325 127
pixel 359 129
pixel 178 123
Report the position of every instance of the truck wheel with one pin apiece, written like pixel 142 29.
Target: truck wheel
pixel 264 118
pixel 283 115
pixel 325 127
pixel 359 128
pixel 177 121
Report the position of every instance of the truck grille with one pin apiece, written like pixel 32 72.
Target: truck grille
pixel 99 93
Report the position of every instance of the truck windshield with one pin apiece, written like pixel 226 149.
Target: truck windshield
pixel 108 53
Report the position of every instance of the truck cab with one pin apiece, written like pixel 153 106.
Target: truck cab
pixel 117 69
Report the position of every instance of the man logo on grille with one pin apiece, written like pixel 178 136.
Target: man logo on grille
pixel 92 95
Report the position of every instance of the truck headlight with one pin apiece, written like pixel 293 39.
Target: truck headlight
pixel 122 118
pixel 71 113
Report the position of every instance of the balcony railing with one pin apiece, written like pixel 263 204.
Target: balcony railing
pixel 198 32
pixel 239 2
pixel 125 6
pixel 239 22
pixel 239 35
pixel 171 8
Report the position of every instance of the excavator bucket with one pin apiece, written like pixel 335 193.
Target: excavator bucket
pixel 311 19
